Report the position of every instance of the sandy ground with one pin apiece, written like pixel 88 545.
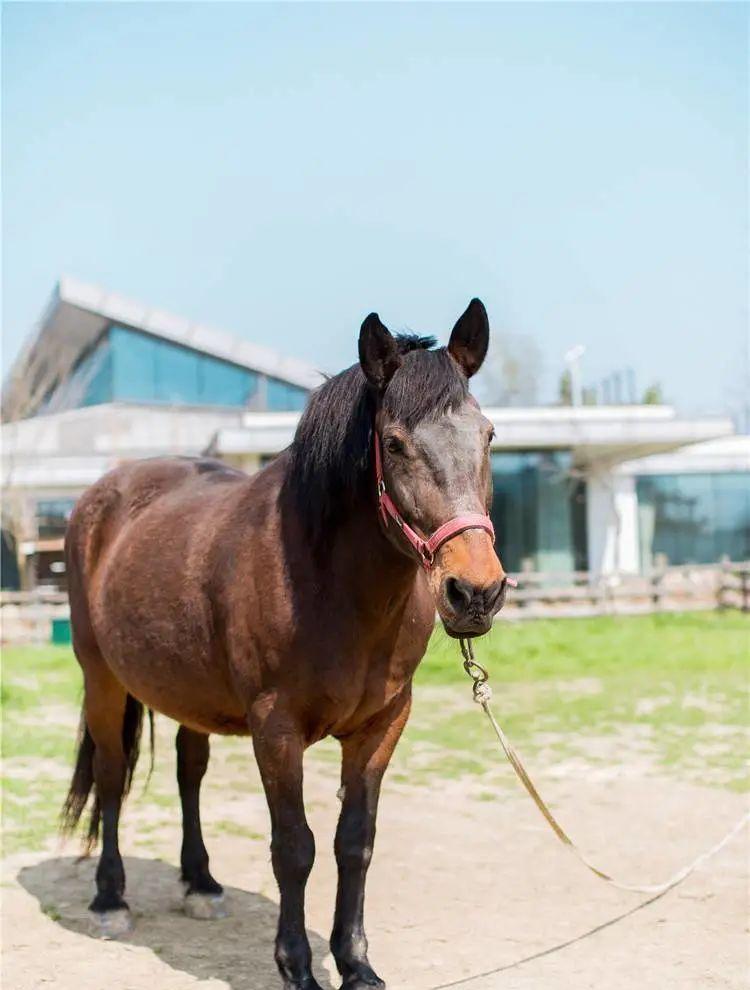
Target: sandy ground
pixel 458 886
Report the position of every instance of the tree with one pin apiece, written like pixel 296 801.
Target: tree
pixel 510 374
pixel 565 389
pixel 653 396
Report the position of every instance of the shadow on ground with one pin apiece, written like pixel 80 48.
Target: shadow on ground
pixel 237 949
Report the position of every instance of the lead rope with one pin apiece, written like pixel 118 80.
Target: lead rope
pixel 482 696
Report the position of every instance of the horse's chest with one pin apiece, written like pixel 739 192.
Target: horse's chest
pixel 362 680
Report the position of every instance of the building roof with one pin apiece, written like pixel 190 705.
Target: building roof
pixel 78 313
pixel 729 454
pixel 595 434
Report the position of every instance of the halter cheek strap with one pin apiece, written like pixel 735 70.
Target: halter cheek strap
pixel 426 549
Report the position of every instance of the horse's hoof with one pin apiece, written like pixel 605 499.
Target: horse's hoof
pixel 364 980
pixel 110 924
pixel 206 907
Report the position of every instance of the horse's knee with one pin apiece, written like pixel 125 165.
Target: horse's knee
pixel 353 843
pixel 293 853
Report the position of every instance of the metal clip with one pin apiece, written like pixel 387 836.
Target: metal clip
pixel 475 670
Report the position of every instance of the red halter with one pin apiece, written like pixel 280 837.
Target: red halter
pixel 429 547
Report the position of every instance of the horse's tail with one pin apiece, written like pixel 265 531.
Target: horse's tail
pixel 82 783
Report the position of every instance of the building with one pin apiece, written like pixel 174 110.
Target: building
pixel 603 489
pixel 103 379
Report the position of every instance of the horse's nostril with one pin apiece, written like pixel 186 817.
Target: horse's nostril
pixel 458 593
pixel 494 596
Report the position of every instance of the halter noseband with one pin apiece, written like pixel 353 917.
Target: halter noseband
pixel 429 547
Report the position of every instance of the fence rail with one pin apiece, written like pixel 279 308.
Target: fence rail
pixel 690 587
pixel 26 616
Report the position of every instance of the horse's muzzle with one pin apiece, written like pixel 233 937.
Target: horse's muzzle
pixel 468 610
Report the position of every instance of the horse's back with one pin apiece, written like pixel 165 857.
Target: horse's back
pixel 124 493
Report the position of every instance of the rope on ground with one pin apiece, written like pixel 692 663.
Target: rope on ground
pixel 552 949
pixel 482 696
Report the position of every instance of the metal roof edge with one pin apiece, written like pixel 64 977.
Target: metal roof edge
pixel 199 336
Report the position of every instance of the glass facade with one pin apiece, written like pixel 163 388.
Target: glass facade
pixel 52 516
pixel 10 579
pixel 281 396
pixel 129 366
pixel 694 518
pixel 539 511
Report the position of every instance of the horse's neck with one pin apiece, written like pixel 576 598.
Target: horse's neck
pixel 369 569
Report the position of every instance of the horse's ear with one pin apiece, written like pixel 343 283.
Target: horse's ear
pixel 378 352
pixel 470 338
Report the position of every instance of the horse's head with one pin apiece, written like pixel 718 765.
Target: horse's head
pixel 435 446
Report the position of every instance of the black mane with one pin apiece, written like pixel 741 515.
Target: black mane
pixel 330 457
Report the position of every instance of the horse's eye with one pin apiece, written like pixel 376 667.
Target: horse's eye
pixel 490 438
pixel 394 446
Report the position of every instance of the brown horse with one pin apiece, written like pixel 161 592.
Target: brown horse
pixel 286 607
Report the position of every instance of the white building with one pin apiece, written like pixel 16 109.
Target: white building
pixel 103 379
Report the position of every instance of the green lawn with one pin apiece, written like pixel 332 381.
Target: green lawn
pixel 677 684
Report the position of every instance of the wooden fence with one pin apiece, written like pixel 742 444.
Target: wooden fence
pixel 664 589
pixel 26 616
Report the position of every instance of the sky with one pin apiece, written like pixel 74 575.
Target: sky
pixel 280 170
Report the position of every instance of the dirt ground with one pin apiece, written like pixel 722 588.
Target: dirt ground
pixel 460 885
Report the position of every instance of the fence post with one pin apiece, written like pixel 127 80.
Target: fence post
pixel 657 576
pixel 724 569
pixel 527 567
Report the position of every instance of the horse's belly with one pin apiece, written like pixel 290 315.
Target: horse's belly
pixel 176 690
pixel 168 657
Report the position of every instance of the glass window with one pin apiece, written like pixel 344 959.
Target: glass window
pixel 52 516
pixel 224 384
pixel 536 511
pixel 89 384
pixel 134 366
pixel 98 384
pixel 694 518
pixel 10 579
pixel 283 397
pixel 176 374
pixel 129 366
pixel 148 369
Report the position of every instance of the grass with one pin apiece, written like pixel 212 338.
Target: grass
pixel 677 683
pixel 679 680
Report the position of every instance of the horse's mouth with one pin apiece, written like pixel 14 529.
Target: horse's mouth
pixel 467 628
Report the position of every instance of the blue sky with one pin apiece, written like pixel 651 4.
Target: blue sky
pixel 280 170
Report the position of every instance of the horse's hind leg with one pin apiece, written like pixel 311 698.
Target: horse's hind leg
pixel 105 710
pixel 204 897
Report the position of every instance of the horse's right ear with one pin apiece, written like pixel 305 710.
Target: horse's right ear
pixel 378 352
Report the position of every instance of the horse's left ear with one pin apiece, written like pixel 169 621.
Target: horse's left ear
pixel 379 355
pixel 470 338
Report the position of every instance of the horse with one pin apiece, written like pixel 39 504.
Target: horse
pixel 288 606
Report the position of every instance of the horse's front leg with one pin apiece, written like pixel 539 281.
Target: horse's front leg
pixel 279 747
pixel 366 755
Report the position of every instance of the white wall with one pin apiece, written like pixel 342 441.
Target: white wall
pixel 612 522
